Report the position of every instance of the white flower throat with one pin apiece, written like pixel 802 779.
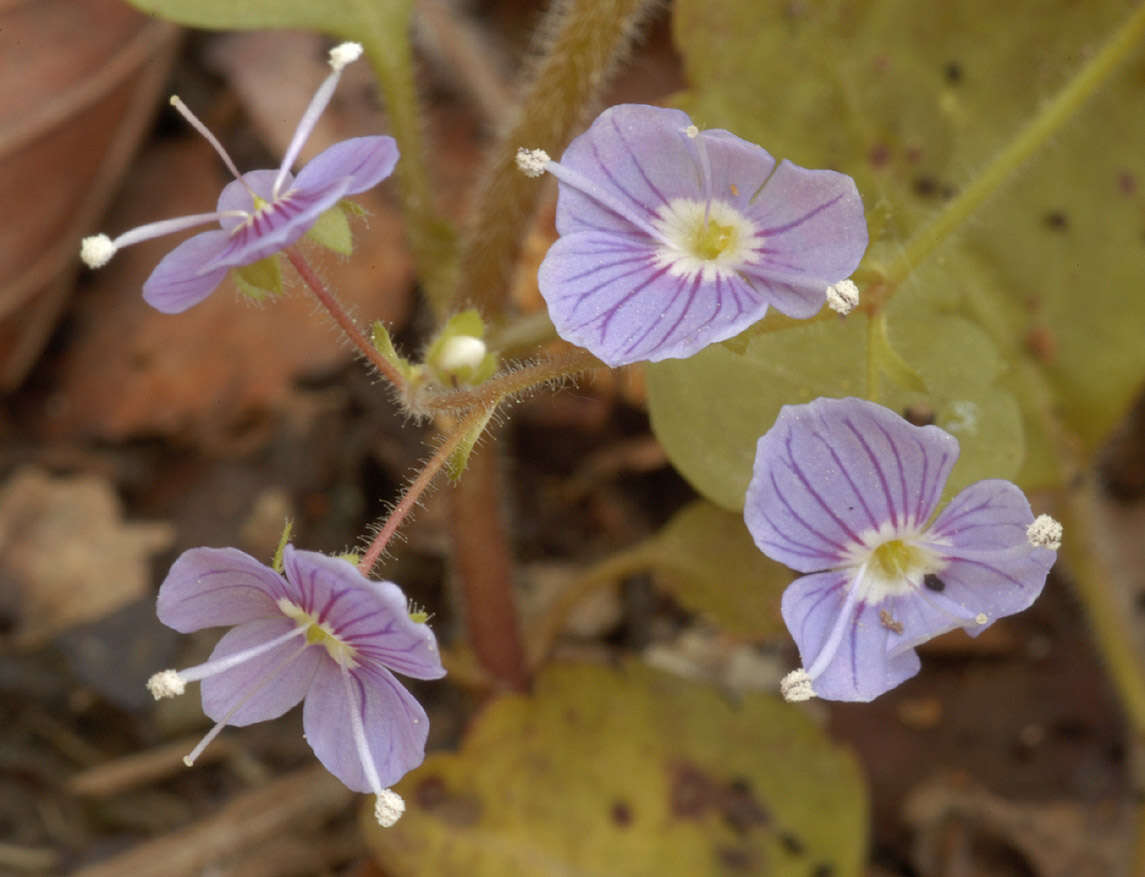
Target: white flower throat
pixel 711 238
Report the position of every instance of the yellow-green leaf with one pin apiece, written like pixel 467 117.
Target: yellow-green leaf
pixel 618 772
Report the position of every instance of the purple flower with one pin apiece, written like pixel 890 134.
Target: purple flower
pixel 323 632
pixel 260 212
pixel 674 238
pixel 845 490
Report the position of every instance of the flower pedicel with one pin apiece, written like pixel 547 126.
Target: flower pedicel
pixel 844 490
pixel 321 631
pixel 674 238
pixel 260 212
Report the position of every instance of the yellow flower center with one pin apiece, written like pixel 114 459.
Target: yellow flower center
pixel 319 634
pixel 711 239
pixel 896 560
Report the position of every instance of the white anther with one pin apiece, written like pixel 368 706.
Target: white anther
pixel 843 297
pixel 343 54
pixel 1045 532
pixel 166 683
pixel 532 162
pixel 796 686
pixel 692 131
pixel 460 353
pixel 97 250
pixel 388 808
pixel 980 618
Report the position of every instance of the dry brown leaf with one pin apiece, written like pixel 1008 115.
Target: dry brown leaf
pixel 67 551
pixel 78 86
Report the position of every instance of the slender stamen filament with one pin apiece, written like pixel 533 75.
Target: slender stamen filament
pixel 276 671
pixel 221 665
pixel 842 621
pixel 194 122
pixel 603 197
pixel 693 134
pixel 365 757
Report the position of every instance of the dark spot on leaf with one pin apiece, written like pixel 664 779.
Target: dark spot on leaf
pixel 823 869
pixel 1056 220
pixel 952 72
pixel 1041 344
pixel 792 843
pixel 926 186
pixel 1139 601
pixel 933 582
pixel 879 155
pixel 919 414
pixel 693 792
pixel 1126 183
pixel 742 810
pixel 621 813
pixel 735 859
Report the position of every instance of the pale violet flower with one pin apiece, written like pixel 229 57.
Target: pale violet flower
pixel 320 632
pixel 259 213
pixel 846 490
pixel 672 238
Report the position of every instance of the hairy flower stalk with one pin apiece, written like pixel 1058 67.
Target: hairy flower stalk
pixel 319 632
pixel 674 238
pixel 844 490
pixel 260 212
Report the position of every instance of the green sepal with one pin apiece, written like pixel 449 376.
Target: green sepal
pixel 260 280
pixel 459 459
pixel 384 344
pixel 332 231
pixel 467 323
pixel 287 530
pixel 350 557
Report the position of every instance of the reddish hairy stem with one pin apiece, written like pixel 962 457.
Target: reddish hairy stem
pixel 414 492
pixel 485 570
pixel 344 321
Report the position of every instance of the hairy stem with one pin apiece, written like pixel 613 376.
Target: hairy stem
pixel 484 567
pixel 413 493
pixel 510 383
pixel 587 37
pixel 343 319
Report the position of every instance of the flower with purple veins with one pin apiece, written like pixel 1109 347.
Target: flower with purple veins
pixel 845 490
pixel 673 238
pixel 260 212
pixel 321 631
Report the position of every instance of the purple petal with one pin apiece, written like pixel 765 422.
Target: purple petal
pixel 395 725
pixel 365 160
pixel 267 685
pixel 864 664
pixel 641 156
pixel 211 587
pixel 236 195
pixel 277 225
pixel 179 281
pixel 992 569
pixel 812 233
pixel 830 473
pixel 371 616
pixel 610 294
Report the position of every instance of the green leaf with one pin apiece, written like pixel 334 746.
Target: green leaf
pixel 617 772
pixel 706 558
pixel 910 100
pixel 458 461
pixel 709 411
pixel 332 231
